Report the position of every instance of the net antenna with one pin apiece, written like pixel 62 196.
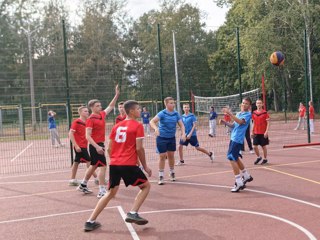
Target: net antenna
pixel 203 104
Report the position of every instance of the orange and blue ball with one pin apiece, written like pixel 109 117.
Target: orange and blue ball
pixel 277 58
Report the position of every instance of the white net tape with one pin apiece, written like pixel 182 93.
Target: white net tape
pixel 203 104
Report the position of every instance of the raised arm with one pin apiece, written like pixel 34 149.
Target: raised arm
pixel 113 102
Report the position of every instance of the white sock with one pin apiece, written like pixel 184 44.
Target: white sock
pixel 245 173
pixel 161 173
pixel 171 170
pixel 132 212
pixel 238 180
pixel 102 188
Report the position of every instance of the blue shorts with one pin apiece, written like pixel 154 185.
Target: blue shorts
pixel 166 144
pixel 193 142
pixel 234 151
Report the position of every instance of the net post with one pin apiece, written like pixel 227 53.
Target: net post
pixel 192 101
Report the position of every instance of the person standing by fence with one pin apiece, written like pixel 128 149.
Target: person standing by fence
pixel 53 129
pixel 302 115
pixel 212 122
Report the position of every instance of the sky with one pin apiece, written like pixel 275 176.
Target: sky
pixel 215 16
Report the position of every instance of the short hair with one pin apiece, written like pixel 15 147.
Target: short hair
pixel 92 102
pixel 259 99
pixel 120 103
pixel 186 104
pixel 81 107
pixel 248 99
pixel 129 105
pixel 167 99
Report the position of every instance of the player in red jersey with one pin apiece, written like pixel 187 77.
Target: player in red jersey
pixel 260 130
pixel 125 151
pixel 95 134
pixel 311 117
pixel 302 115
pixel 122 116
pixel 77 135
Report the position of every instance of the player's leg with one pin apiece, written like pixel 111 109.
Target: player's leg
pixel 256 143
pixel 246 177
pixel 74 169
pixel 214 126
pixel 233 155
pixel 56 136
pixel 172 174
pixel 210 128
pixel 195 143
pixel 52 137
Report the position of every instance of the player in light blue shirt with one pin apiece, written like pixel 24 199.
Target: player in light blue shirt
pixel 240 124
pixel 166 136
pixel 190 123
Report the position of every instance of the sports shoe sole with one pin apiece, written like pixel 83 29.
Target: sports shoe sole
pixel 92 227
pixel 247 180
pixel 138 222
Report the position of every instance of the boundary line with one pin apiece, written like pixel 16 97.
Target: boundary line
pixel 302 229
pixel 133 233
pixel 21 152
pixel 291 175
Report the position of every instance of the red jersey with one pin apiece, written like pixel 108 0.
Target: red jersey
pixel 123 136
pixel 120 118
pixel 302 111
pixel 227 118
pixel 311 112
pixel 79 128
pixel 260 120
pixel 97 123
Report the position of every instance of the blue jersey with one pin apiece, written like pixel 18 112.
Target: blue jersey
pixel 239 131
pixel 213 115
pixel 51 122
pixel 168 122
pixel 188 121
pixel 145 117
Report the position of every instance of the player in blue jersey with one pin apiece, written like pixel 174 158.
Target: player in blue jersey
pixel 166 136
pixel 190 123
pixel 240 125
pixel 145 115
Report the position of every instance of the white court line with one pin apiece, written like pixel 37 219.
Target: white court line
pixel 133 233
pixel 256 191
pixel 314 148
pixel 299 227
pixel 21 152
pixel 46 216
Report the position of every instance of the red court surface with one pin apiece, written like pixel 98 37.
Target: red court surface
pixel 282 202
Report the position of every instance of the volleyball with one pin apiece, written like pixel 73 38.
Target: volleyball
pixel 277 58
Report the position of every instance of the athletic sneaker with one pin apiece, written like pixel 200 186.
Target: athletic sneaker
pixel 84 189
pixel 88 226
pixel 172 177
pixel 258 160
pixel 179 163
pixel 211 156
pixel 161 181
pixel 245 180
pixel 264 161
pixel 101 194
pixel 135 218
pixel 237 188
pixel 74 182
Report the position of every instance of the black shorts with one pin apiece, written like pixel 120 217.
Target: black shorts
pixel 82 156
pixel 131 175
pixel 259 139
pixel 96 158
